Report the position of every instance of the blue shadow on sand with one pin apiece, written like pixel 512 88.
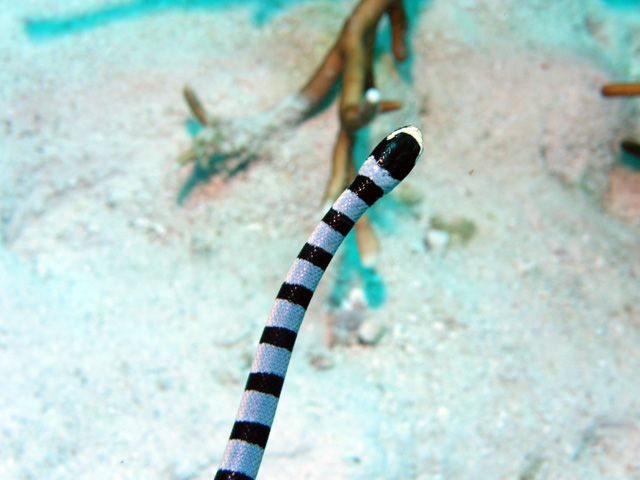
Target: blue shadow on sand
pixel 44 28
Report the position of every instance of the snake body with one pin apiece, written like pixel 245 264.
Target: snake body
pixel 389 163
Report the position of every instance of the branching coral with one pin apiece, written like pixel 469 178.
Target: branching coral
pixel 225 145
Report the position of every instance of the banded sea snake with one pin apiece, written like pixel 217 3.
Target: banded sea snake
pixel 389 163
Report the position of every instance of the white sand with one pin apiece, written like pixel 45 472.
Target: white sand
pixel 127 323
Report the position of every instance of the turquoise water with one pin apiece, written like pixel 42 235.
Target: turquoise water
pixel 40 28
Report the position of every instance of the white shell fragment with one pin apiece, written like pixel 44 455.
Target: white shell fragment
pixel 437 240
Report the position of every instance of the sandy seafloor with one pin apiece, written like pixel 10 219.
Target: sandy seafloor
pixel 128 322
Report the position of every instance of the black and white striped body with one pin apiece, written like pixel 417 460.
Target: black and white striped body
pixel 389 163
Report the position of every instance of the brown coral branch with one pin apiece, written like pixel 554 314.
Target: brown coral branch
pixel 390 106
pixel 324 78
pixel 356 40
pixel 352 53
pixel 351 57
pixel 398 19
pixel 621 90
pixel 195 105
pixel 343 160
pixel 357 109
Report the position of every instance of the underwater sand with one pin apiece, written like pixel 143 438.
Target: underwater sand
pixel 128 322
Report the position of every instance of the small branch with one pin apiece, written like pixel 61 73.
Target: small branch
pixel 195 105
pixel 398 19
pixel 621 90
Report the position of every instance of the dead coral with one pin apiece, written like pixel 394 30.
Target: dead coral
pixel 621 89
pixel 225 145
